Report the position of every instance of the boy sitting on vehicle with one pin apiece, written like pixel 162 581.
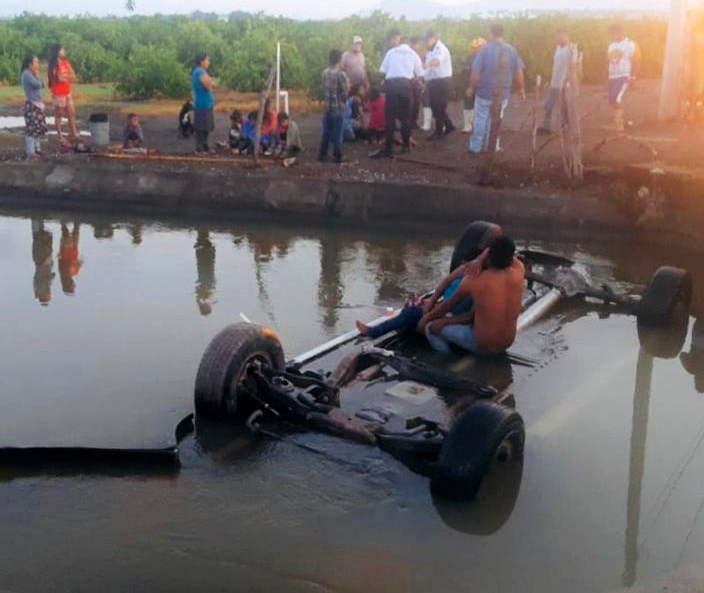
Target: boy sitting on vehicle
pixel 497 293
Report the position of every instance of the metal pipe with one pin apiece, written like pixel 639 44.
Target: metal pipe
pixel 278 75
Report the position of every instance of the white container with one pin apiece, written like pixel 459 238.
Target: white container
pixel 100 133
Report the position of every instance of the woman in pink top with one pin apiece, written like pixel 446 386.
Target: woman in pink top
pixel 61 75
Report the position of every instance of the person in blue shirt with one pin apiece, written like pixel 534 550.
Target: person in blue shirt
pixel 204 101
pixel 488 83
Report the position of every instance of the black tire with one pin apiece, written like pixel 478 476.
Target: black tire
pixel 484 433
pixel 666 298
pixel 225 361
pixel 476 237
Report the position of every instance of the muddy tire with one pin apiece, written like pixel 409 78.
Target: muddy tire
pixel 666 298
pixel 485 433
pixel 476 237
pixel 225 362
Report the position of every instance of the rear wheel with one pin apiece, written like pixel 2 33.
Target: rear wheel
pixel 485 433
pixel 224 367
pixel 476 236
pixel 663 312
pixel 666 298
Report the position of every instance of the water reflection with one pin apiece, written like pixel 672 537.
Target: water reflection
pixel 205 266
pixel 693 361
pixel 43 257
pixel 69 258
pixel 330 291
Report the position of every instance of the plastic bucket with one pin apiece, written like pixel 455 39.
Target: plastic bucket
pixel 99 126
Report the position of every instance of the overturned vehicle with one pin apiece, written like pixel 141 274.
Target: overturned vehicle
pixel 440 414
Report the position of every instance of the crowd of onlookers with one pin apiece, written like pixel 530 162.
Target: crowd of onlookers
pixel 418 81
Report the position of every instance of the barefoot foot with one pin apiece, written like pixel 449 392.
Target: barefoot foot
pixel 361 328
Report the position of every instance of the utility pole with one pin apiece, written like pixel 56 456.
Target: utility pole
pixel 675 56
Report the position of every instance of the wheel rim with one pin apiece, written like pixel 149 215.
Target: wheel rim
pixel 242 382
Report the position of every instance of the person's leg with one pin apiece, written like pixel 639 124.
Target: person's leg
pixel 549 106
pixel 71 113
pixel 444 99
pixel 564 112
pixel 482 117
pixel 337 133
pixel 407 318
pixel 391 114
pixel 462 336
pixel 404 114
pixel 206 148
pixel 29 146
pixel 325 140
pixel 502 111
pixel 38 145
pixel 58 116
pixel 436 342
pixel 434 106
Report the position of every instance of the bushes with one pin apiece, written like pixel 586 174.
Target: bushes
pixel 151 56
pixel 153 72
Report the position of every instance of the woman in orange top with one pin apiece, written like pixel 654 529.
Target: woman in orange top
pixel 61 75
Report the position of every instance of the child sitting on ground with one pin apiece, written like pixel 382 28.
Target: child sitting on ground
pixel 249 129
pixel 376 108
pixel 289 140
pixel 235 138
pixel 268 132
pixel 132 137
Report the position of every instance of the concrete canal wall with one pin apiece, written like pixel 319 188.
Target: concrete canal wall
pixel 229 193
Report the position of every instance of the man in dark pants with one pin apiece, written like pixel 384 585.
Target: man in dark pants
pixel 438 66
pixel 401 64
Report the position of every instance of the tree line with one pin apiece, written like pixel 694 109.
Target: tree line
pixel 150 56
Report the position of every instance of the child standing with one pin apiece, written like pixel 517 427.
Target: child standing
pixel 376 108
pixel 132 137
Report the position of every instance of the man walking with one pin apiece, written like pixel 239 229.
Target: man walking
pixel 494 70
pixel 624 62
pixel 354 64
pixel 401 64
pixel 438 73
pixel 560 70
pixel 335 88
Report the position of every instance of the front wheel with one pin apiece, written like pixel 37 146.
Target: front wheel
pixel 225 365
pixel 485 433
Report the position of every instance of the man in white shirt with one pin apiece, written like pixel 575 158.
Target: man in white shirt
pixel 624 60
pixel 438 74
pixel 400 66
pixel 560 70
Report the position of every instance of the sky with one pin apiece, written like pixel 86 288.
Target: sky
pixel 301 9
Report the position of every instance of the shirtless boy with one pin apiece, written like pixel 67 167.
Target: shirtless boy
pixel 496 287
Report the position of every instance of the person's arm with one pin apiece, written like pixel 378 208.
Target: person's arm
pixel 458 272
pixel 384 64
pixel 521 83
pixel 463 319
pixel 464 290
pixel 206 81
pixel 418 70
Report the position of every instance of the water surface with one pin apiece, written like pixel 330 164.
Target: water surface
pixel 105 319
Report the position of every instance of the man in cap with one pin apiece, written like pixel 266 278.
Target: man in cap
pixel 354 64
pixel 400 66
pixel 438 74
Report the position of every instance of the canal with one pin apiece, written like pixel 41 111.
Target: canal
pixel 104 320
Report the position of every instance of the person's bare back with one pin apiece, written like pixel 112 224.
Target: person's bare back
pixel 498 296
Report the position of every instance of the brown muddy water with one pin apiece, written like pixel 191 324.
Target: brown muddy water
pixel 104 322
